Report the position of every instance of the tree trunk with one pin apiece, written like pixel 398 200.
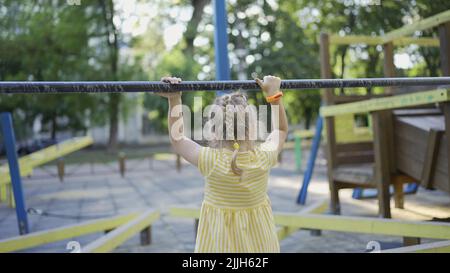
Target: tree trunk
pixel 191 29
pixel 371 66
pixel 307 118
pixel 114 98
pixel 343 54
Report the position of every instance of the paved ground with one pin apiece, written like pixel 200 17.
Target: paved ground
pixel 97 191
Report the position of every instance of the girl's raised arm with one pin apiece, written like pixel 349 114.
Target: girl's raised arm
pixel 184 146
pixel 270 85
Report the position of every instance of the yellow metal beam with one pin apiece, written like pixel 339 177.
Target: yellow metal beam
pixel 317 207
pixel 164 156
pixel 435 247
pixel 393 102
pixel 185 212
pixel 28 162
pixel 55 151
pixel 378 40
pixel 367 225
pixel 426 23
pixel 3 193
pixel 62 233
pixel 305 133
pixel 354 39
pixel 422 41
pixel 114 238
pixel 5 179
pixel 283 231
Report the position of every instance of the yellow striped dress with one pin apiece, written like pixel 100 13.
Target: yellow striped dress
pixel 236 213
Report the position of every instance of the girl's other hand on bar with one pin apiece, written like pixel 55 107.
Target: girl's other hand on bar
pixel 170 80
pixel 270 85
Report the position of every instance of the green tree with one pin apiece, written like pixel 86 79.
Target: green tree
pixel 45 41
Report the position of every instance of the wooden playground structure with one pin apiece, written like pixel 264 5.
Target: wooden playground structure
pixel 400 119
pixel 375 156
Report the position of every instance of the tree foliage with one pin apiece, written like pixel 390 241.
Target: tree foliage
pixel 51 40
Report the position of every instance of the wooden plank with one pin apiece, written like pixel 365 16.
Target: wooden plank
pixel 368 225
pixel 417 112
pixel 430 158
pixel 336 39
pixel 440 179
pixel 410 241
pixel 415 135
pixel 424 122
pixel 325 66
pixel 446 109
pixel 113 239
pixel 388 64
pixel 442 163
pixel 399 198
pixel 357 146
pixel 361 174
pixel 146 236
pixel 347 131
pixel 444 37
pixel 382 170
pixel 62 233
pixel 412 161
pixel 353 98
pixel 408 164
pixel 327 98
pixel 414 89
pixel 435 247
pixel 354 158
pixel 330 149
pixel 393 102
pixel 388 126
pixel 423 24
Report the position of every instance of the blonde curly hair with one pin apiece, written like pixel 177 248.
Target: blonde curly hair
pixel 233 105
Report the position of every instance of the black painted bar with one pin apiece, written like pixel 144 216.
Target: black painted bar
pixel 152 86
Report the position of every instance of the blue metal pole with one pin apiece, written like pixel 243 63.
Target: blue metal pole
pixel 221 42
pixel 301 199
pixel 359 193
pixel 14 171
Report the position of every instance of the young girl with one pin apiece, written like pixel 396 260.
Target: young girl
pixel 236 214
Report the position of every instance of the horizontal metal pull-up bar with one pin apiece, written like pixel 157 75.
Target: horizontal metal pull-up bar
pixel 152 86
